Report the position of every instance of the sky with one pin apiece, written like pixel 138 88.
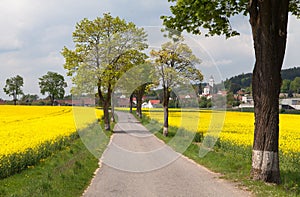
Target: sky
pixel 33 32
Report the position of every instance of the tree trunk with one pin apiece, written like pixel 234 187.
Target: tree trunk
pixel 130 103
pixel 113 114
pixel 139 102
pixel 166 121
pixel 52 100
pixel 166 97
pixel 106 102
pixel 15 98
pixel 269 28
pixel 106 116
pixel 138 106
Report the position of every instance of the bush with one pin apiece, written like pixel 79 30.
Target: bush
pixel 198 137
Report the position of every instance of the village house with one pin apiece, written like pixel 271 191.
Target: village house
pixel 290 103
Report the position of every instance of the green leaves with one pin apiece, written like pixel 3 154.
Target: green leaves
pixel 73 59
pixel 176 62
pixel 105 48
pixel 53 84
pixel 195 16
pixel 295 8
pixel 295 85
pixel 13 87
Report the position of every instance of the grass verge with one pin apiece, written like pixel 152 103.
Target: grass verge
pixel 66 172
pixel 234 163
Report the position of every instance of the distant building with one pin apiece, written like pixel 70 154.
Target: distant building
pixel 122 101
pixel 211 81
pixel 246 105
pixel 63 102
pixel 247 99
pixel 2 102
pixel 290 103
pixel 239 95
pixel 155 102
pixel 76 102
pixel 208 89
pixel 147 105
pixel 151 104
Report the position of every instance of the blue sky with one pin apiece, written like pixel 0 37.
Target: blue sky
pixel 33 32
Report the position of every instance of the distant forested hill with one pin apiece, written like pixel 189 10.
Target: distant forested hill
pixel 290 73
pixel 244 80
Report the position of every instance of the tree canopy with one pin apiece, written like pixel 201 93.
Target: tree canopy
pixel 105 48
pixel 295 85
pixel 13 87
pixel 176 61
pixel 214 16
pixel 54 84
pixel 175 64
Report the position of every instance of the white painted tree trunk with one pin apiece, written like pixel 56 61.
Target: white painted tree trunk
pixel 264 164
pixel 165 131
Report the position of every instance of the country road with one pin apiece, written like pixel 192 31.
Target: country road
pixel 136 163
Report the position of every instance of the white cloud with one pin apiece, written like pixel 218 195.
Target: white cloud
pixel 216 63
pixel 33 32
pixel 230 57
pixel 293 44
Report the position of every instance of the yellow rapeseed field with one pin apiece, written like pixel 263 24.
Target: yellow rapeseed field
pixel 24 127
pixel 238 127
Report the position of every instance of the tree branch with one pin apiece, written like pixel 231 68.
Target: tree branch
pixel 100 91
pixel 253 11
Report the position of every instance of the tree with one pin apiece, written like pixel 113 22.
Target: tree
pixel 203 103
pixel 174 62
pixel 54 84
pixel 285 87
pixel 234 87
pixel 135 82
pixel 13 87
pixel 231 101
pixel 139 93
pixel 268 20
pixel 295 85
pixel 147 73
pixel 105 48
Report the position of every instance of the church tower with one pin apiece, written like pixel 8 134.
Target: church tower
pixel 211 81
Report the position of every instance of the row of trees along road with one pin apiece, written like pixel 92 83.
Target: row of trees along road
pixel 108 47
pixel 268 20
pixel 52 83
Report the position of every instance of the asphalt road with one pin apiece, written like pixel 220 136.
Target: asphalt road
pixel 136 163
